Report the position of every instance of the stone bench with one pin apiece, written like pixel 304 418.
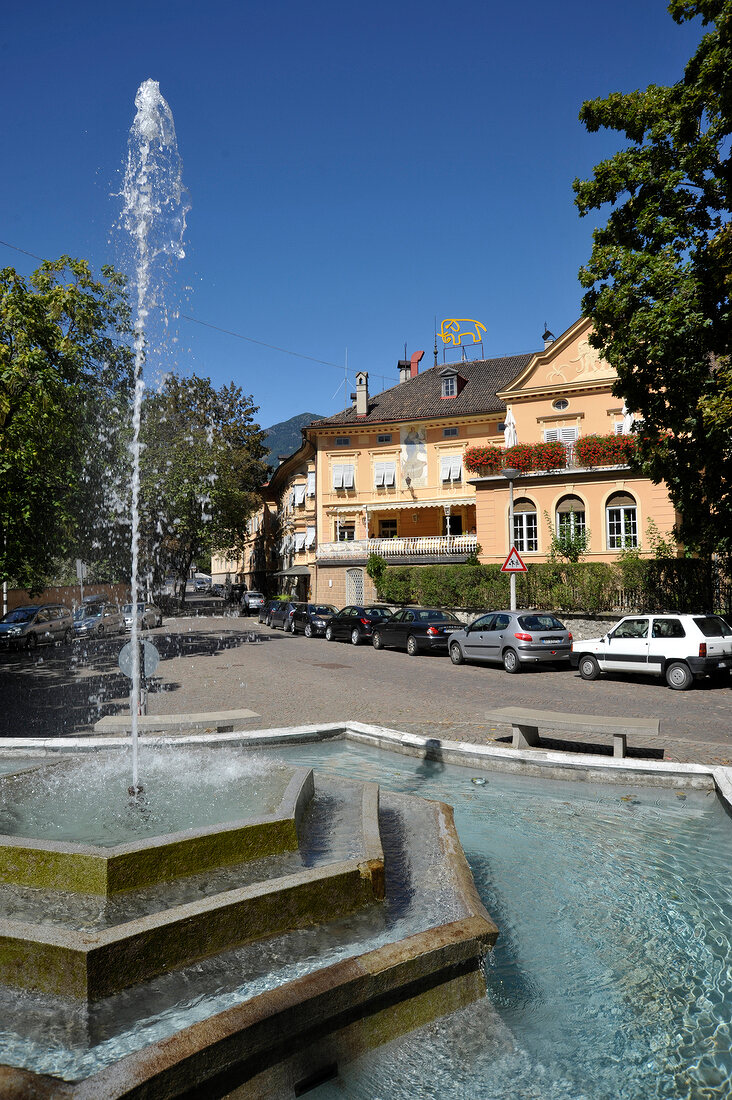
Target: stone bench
pixel 526 721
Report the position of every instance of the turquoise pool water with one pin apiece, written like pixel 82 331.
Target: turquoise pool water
pixel 612 975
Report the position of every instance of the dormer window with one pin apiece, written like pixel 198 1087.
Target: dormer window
pixel 449 386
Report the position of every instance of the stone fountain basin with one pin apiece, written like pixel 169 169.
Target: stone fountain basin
pixel 95 869
pixel 94 965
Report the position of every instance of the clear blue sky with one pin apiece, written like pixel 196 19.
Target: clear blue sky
pixel 355 169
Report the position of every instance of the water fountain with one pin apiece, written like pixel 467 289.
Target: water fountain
pixel 253 926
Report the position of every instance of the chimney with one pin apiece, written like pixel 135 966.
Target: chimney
pixel 414 363
pixel 404 369
pixel 362 393
pixel 547 337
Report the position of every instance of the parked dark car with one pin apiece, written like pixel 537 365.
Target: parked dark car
pixel 513 639
pixel 311 619
pixel 98 617
pixel 36 624
pixel 418 630
pixel 281 614
pixel 235 592
pixel 356 623
pixel 265 611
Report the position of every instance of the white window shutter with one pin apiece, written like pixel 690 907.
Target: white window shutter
pixel 348 478
pixel 311 483
pixel 299 494
pixel 445 469
pixel 300 540
pixel 456 468
pixel 551 435
pixel 568 435
pixel 310 536
pixel 618 427
pixel 389 473
pixel 379 473
pixel 338 476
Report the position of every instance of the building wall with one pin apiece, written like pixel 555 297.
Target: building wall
pixel 331 586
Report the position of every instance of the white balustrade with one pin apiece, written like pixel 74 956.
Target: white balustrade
pixel 410 546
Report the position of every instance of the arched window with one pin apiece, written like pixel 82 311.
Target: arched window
pixel 525 527
pixel 622 522
pixel 570 518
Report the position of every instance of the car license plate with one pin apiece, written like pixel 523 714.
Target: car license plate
pixel 448 629
pixel 551 641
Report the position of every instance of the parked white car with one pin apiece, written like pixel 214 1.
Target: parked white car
pixel 678 647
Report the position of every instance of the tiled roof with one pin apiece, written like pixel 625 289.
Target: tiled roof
pixel 420 398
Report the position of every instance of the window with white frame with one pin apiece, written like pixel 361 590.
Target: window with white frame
pixel 449 385
pixel 311 484
pixel 310 537
pixel 525 526
pixel 622 522
pixel 384 474
pixel 299 495
pixel 345 532
pixel 343 475
pixel 618 427
pixel 570 519
pixel 451 468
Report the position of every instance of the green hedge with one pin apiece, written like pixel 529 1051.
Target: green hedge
pixel 674 584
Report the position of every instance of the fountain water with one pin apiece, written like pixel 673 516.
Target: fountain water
pixel 154 214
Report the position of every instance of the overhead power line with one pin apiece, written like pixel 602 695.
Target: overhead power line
pixel 218 328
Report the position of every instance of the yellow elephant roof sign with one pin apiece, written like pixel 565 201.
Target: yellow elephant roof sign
pixel 455 328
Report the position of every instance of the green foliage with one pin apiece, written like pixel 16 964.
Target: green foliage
pixel 202 464
pixel 585 587
pixel 659 279
pixel 663 546
pixel 65 380
pixel 375 567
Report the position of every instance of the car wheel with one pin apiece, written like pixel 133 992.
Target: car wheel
pixel 376 640
pixel 100 630
pixel 68 637
pixel 329 635
pixel 31 642
pixel 292 626
pixel 511 662
pixel 355 637
pixel 308 630
pixel 456 654
pixel 588 667
pixel 412 647
pixel 678 676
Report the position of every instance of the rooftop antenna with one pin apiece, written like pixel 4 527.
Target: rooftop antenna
pixel 547 336
pixel 345 383
pixel 435 339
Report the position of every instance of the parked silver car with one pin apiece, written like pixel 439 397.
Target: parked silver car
pixel 98 618
pixel 148 615
pixel 513 639
pixel 36 624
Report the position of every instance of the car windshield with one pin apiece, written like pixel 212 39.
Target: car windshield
pixel 19 615
pixel 712 626
pixel 436 617
pixel 539 622
pixel 255 596
pixel 322 609
pixel 378 612
pixel 90 612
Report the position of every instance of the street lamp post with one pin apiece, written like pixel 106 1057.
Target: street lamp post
pixel 510 473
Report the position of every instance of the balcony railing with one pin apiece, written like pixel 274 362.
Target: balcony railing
pixel 411 546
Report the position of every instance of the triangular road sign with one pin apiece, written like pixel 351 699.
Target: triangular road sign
pixel 513 563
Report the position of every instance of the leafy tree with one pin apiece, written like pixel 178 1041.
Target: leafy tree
pixel 65 376
pixel 660 274
pixel 201 467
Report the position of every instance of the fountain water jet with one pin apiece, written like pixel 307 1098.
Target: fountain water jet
pixel 155 205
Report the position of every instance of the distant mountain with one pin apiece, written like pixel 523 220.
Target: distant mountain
pixel 286 437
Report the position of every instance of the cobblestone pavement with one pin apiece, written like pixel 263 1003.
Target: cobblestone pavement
pixel 209 664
